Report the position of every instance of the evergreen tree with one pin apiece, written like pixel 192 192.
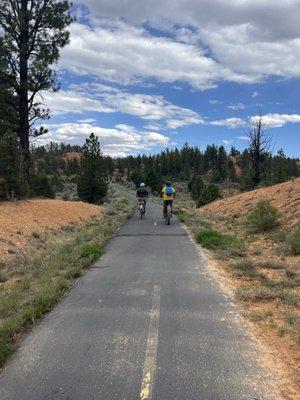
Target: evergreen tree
pixel 209 194
pixel 137 177
pixel 197 187
pixel 153 181
pixel 222 162
pixel 91 184
pixel 34 32
pixel 279 168
pixel 259 149
pixel 40 185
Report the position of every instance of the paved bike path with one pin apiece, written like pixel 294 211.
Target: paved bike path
pixel 145 322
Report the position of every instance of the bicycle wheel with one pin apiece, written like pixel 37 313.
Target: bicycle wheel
pixel 168 215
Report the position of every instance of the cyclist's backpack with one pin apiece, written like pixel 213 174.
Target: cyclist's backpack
pixel 169 191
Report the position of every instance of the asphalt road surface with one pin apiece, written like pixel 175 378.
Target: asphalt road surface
pixel 147 321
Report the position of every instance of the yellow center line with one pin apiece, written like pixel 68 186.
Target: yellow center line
pixel 151 350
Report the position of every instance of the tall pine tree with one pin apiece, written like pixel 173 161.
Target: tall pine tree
pixel 33 33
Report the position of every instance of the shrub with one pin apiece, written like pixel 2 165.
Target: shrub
pixel 256 293
pixel 209 194
pixel 212 239
pixel 294 243
pixel 244 268
pixel 92 251
pixel 270 264
pixel 3 277
pixel 40 185
pixel 263 217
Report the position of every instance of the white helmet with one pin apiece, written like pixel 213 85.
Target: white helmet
pixel 142 185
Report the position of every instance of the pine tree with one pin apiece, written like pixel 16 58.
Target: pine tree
pixel 33 33
pixel 197 187
pixel 153 181
pixel 137 177
pixel 91 184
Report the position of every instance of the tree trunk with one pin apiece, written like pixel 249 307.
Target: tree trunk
pixel 23 99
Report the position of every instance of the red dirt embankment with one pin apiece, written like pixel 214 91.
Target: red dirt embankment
pixel 284 196
pixel 21 219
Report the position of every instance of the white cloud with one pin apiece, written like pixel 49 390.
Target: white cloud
pixel 215 102
pixel 277 120
pixel 248 40
pixel 238 106
pixel 96 97
pixel 243 137
pixel 64 102
pixel 226 142
pixel 120 52
pixel 117 141
pixel 229 122
pixel 254 94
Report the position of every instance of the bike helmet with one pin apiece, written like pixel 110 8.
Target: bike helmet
pixel 142 185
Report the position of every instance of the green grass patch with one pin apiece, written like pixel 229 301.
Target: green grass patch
pixel 91 251
pixel 180 214
pixel 214 240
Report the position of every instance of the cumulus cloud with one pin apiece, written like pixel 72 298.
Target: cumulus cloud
pixel 277 120
pixel 269 121
pixel 117 141
pixel 96 97
pixel 229 122
pixel 247 39
pixel 120 52
pixel 268 17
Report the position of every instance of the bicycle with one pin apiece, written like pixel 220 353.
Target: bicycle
pixel 167 213
pixel 142 209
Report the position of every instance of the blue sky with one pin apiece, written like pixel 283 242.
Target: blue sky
pixel 145 75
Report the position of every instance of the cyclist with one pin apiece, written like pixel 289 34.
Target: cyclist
pixel 142 194
pixel 168 194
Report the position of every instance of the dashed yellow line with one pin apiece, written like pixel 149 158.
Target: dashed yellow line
pixel 151 350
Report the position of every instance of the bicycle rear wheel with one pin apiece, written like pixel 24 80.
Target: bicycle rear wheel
pixel 168 215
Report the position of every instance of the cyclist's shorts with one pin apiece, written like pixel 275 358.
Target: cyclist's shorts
pixel 142 200
pixel 168 203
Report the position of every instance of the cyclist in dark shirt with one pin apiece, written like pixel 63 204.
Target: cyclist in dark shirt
pixel 142 194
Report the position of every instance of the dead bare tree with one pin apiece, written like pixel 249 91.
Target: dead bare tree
pixel 260 141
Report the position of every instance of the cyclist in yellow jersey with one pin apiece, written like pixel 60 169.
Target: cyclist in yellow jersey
pixel 168 194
